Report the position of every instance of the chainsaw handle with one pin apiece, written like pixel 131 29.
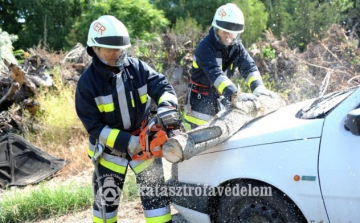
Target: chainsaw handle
pixel 141 156
pixel 144 143
pixel 151 148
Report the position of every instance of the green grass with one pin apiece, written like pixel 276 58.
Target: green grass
pixel 45 200
pixel 57 114
pixel 42 202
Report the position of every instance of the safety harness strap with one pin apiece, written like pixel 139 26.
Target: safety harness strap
pixel 198 88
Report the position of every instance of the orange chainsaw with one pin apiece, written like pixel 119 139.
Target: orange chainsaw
pixel 165 125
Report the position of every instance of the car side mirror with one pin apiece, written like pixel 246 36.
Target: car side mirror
pixel 352 122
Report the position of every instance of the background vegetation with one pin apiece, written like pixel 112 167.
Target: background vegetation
pixel 60 24
pixel 163 33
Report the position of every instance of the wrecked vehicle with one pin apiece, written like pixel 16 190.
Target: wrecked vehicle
pixel 297 164
pixel 22 163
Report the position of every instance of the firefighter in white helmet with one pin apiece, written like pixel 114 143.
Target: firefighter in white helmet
pixel 113 102
pixel 215 59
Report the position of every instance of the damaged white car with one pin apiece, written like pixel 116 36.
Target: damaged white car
pixel 298 164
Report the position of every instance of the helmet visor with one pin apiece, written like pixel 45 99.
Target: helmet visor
pixel 225 37
pixel 113 41
pixel 230 27
pixel 112 57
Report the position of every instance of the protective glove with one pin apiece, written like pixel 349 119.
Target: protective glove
pixel 168 116
pixel 246 97
pixel 134 145
pixel 261 90
pixel 238 101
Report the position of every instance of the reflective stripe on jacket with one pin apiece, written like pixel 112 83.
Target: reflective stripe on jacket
pixel 112 105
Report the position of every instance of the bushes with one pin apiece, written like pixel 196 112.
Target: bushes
pixel 6 48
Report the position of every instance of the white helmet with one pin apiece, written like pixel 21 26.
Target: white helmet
pixel 108 32
pixel 229 18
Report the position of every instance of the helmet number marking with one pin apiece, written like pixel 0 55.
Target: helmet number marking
pixel 222 13
pixel 99 28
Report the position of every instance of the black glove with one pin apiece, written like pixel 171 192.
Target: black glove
pixel 247 97
pixel 261 90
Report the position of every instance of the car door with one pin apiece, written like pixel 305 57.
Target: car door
pixel 339 164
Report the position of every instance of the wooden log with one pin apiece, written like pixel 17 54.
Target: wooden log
pixel 226 123
pixel 16 73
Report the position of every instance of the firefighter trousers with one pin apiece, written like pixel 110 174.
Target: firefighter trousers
pixel 109 185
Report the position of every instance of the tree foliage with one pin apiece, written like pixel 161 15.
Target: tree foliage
pixel 311 19
pixel 256 17
pixel 279 15
pixel 141 19
pixel 9 17
pixel 201 11
pixel 46 22
pixel 60 24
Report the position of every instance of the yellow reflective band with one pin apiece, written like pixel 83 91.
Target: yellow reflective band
pixel 90 153
pixel 110 141
pixel 253 78
pixel 160 219
pixel 143 99
pixel 132 99
pixel 106 107
pixel 142 166
pixel 99 220
pixel 112 166
pixel 195 64
pixel 223 85
pixel 194 120
pixel 231 66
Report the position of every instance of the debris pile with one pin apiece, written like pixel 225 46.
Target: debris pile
pixel 20 84
pixel 299 75
pixel 18 88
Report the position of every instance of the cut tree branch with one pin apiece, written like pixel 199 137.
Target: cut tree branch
pixel 13 88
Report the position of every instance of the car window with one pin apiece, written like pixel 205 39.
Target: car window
pixel 322 106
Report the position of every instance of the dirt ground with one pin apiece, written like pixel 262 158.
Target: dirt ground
pixel 130 211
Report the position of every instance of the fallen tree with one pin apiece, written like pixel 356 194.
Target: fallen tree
pixel 226 123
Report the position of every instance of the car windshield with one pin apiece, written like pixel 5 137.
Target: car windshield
pixel 321 106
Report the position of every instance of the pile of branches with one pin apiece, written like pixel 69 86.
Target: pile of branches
pixel 330 62
pixel 21 84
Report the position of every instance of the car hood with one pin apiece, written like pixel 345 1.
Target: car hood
pixel 279 126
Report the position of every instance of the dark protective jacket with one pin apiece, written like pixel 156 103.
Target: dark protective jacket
pixel 111 106
pixel 213 64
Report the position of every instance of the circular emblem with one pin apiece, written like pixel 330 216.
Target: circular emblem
pixel 109 193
